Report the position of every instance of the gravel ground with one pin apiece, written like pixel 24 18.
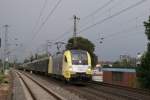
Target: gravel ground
pixel 58 89
pixel 18 92
pixel 38 92
pixel 80 91
pixel 120 92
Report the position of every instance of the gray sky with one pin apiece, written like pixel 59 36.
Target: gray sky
pixel 122 34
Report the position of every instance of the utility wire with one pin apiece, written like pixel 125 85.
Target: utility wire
pixel 44 22
pixel 123 31
pixel 108 10
pixel 91 14
pixel 40 15
pixel 126 30
pixel 107 18
pixel 63 34
pixel 114 15
pixel 46 19
pixel 125 35
pixel 99 9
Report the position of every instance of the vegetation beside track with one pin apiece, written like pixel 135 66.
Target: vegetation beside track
pixel 5 86
pixel 2 77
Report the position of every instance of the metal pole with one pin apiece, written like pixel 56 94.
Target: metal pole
pixel 48 45
pixel 5 47
pixel 1 67
pixel 75 29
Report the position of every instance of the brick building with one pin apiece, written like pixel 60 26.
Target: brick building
pixel 124 76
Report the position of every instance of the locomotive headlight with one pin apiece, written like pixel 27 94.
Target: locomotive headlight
pixel 89 69
pixel 70 69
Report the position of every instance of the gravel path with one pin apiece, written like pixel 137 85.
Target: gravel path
pixel 57 88
pixel 37 91
pixel 18 92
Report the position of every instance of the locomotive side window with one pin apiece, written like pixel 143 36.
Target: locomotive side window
pixel 65 58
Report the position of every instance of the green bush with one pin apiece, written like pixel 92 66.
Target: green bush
pixel 1 78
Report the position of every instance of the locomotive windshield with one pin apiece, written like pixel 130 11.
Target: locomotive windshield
pixel 79 57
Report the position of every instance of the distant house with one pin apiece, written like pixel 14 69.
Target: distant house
pixel 124 76
pixel 126 60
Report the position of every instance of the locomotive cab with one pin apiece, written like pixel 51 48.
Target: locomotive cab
pixel 77 65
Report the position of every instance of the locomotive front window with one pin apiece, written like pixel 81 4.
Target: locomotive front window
pixel 79 58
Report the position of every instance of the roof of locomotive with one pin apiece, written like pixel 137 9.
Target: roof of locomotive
pixel 77 50
pixel 72 50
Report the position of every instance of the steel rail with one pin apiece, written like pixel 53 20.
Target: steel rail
pixel 55 95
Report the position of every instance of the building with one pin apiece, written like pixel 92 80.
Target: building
pixel 124 76
pixel 125 57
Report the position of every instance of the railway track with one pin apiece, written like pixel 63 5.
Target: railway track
pixel 99 91
pixel 85 91
pixel 36 89
pixel 135 90
pixel 121 91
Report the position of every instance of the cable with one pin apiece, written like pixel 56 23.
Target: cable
pixel 47 18
pixel 126 30
pixel 136 4
pixel 130 35
pixel 108 10
pixel 40 15
pixel 41 26
pixel 114 15
pixel 62 35
pixel 107 18
pixel 94 12
pixel 97 10
pixel 123 31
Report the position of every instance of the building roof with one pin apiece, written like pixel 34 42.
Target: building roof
pixel 131 70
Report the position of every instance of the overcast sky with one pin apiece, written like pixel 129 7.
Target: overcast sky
pixel 123 34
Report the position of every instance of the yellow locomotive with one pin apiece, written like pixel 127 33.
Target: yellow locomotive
pixel 71 65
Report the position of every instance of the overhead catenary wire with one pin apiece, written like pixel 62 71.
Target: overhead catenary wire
pixel 107 18
pixel 44 22
pixel 125 35
pixel 86 17
pixel 104 12
pixel 63 34
pixel 112 16
pixel 123 31
pixel 128 29
pixel 46 19
pixel 120 33
pixel 98 9
pixel 40 15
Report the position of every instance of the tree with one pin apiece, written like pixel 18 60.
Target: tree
pixel 31 58
pixel 26 60
pixel 83 44
pixel 143 71
pixel 116 64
